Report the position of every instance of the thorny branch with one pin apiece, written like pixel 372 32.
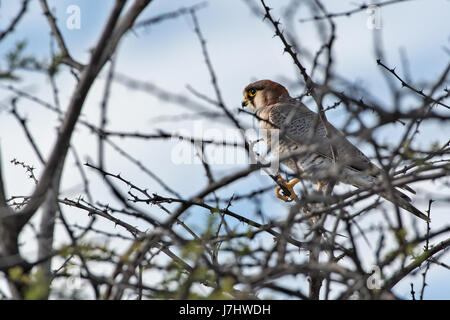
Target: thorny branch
pixel 323 238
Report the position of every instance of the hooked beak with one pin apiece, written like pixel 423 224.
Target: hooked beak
pixel 244 102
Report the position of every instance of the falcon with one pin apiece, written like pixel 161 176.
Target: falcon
pixel 312 149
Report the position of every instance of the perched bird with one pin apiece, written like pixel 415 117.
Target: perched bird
pixel 320 153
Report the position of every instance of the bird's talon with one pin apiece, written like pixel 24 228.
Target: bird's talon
pixel 282 196
pixel 289 186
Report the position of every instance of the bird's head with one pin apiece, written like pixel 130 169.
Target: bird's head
pixel 263 93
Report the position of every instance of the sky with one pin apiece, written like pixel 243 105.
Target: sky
pixel 242 49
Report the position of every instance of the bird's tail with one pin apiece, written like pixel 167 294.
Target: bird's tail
pixel 397 197
pixel 401 199
pixel 404 202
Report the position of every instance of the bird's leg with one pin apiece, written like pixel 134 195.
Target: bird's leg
pixel 320 186
pixel 286 186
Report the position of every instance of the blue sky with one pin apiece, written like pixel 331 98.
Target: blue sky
pixel 242 49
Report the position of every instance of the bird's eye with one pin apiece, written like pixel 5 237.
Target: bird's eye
pixel 251 92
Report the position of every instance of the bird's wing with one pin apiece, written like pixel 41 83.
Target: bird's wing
pixel 297 121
